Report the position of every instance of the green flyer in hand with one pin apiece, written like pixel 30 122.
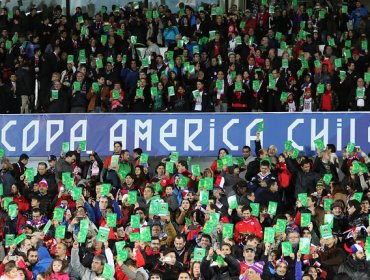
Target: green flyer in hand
pixel 304 246
pixel 103 234
pixel 76 86
pixel 269 235
pixel 326 232
pixel 9 240
pixel 272 208
pixel 111 219
pixel 305 219
pixel 255 209
pixel 227 231
pixel 108 271
pixel 329 220
pixel 65 177
pixel 163 209
pixel 199 254
pixel 120 245
pixel 302 197
pixel 227 160
pixel 55 94
pixel 145 234
pixel 76 193
pixel 204 197
pixel 261 126
pixel 2 153
pixel 1 189
pixel 46 227
pixel 288 145
pixel 82 235
pixel 287 248
pixel 195 169
pixel 240 161
pixel 357 196
pixel 19 239
pixel 350 147
pixel 208 183
pixel 7 200
pixel 327 178
pixel 29 174
pixel 132 197
pixel 233 202
pixel 122 255
pixel 144 158
pixel 60 231
pixel 135 221
pixel 58 214
pixel 295 153
pixel 327 203
pixel 280 225
pixel 183 182
pixel 105 189
pixel 134 236
pixel 65 147
pixel 82 145
pixel 169 167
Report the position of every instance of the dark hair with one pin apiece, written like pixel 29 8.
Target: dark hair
pixel 355 204
pixel 331 147
pixel 247 147
pixel 118 142
pixel 23 156
pixel 70 153
pixel 246 207
pixel 31 250
pixel 139 151
pixel 224 149
pixel 183 163
pixel 207 236
pixel 44 164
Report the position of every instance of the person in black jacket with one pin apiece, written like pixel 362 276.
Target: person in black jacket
pixel 78 100
pixel 227 268
pixel 204 102
pixel 59 103
pixel 25 87
pixel 20 167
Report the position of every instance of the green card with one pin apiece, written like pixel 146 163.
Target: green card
pixel 272 208
pixel 103 39
pixel 208 183
pixel 60 231
pixel 195 49
pixel 219 164
pixel 47 227
pixel 255 209
pixel 367 79
pixel 70 58
pixel 280 225
pixel 214 218
pixel 360 92
pixel 287 248
pixel 132 197
pixel 305 219
pixel 122 255
pixel 12 210
pixel 76 193
pixel 135 221
pixel 317 63
pixel 233 202
pixel 256 85
pixel 304 246
pixel 302 197
pixel 76 86
pixel 55 94
pixel 9 240
pixel 238 86
pixel 283 45
pixel 199 254
pixel 170 55
pixel 240 161
pixel 19 239
pixel 227 160
pixel 163 209
pixel 29 174
pixel 227 231
pixel 272 83
pixel 154 78
pixel 344 9
pixel 183 182
pixel 82 145
pixel 196 94
pixel 103 234
pixel 82 235
pixel 327 203
pixel 155 14
pixel 288 145
pixel 8 44
pixel 154 208
pixel 285 63
pixel 2 153
pixel 269 235
pixel 329 220
pixel 327 178
pixel 1 189
pixel 99 63
pixel 145 234
pixel 154 91
pixel 357 196
pixel 108 271
pixel 348 44
pixel 242 24
pixel 148 14
pixel 120 245
pixel 219 84
pixel 350 147
pixel 278 35
pixel 347 54
pixel 111 219
pixel 284 97
pixel 105 189
pixel 338 63
pixel 364 45
pixel 295 153
pixel 134 236
pixel 326 232
pixel 342 75
pixel 144 158
pixel 212 35
pixel 115 94
pixel 319 144
pixel 66 176
pixel 195 169
pixel 321 14
pixel 171 91
pixel 139 92
pixel 58 214
pixel 320 88
pixel 169 167
pixel 304 64
pixel 180 44
pixel 7 200
pixel 204 197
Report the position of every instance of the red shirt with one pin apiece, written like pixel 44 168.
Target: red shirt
pixel 326 101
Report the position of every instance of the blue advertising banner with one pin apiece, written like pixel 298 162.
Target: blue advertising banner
pixel 188 134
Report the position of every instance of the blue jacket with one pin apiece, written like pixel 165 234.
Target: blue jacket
pixel 44 262
pixel 170 33
pixel 357 19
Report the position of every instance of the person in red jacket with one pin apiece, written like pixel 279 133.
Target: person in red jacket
pixel 23 205
pixel 248 225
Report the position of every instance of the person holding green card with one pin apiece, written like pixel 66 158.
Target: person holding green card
pixel 97 95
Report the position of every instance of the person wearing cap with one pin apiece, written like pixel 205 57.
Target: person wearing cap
pixel 356 264
pixel 52 160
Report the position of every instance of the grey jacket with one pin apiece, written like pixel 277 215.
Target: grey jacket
pixel 84 272
pixel 357 270
pixel 139 275
pixel 62 166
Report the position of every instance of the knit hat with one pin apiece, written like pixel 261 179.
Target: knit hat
pixel 258 267
pixel 320 184
pixel 43 183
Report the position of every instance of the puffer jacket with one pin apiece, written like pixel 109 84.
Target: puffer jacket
pixel 229 272
pixel 357 270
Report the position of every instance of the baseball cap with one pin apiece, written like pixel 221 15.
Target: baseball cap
pixel 51 158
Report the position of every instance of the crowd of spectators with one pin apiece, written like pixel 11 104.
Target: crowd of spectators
pixel 270 216
pixel 271 57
